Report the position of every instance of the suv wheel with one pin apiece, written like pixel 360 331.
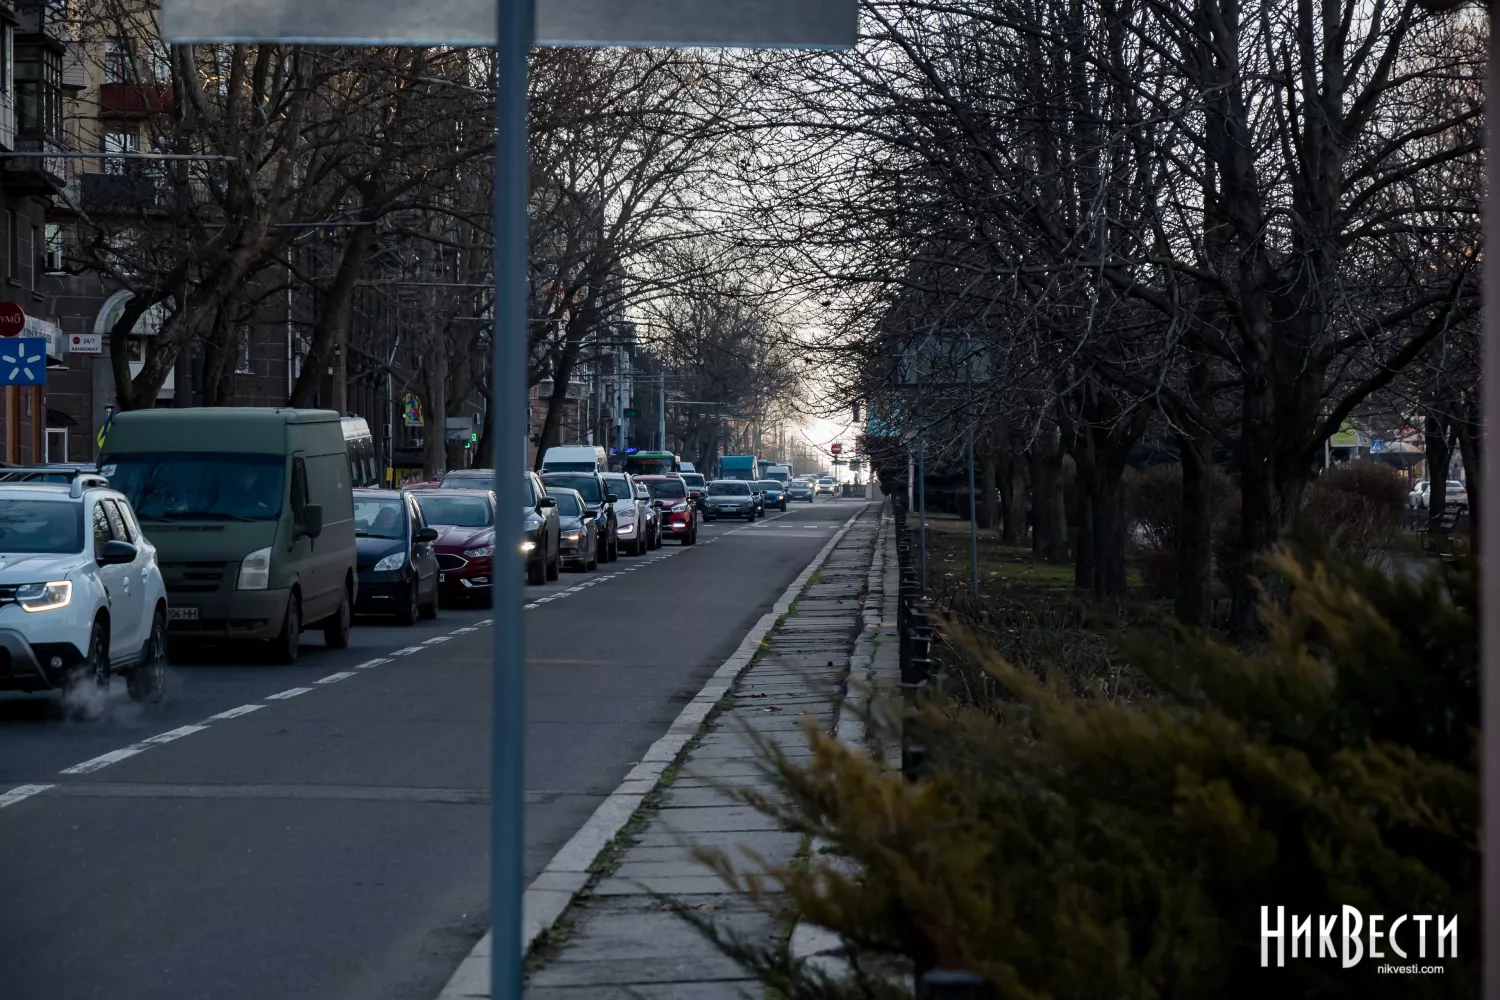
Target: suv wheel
pixel 148 682
pixel 85 686
pixel 286 646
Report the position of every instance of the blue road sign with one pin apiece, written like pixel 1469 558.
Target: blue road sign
pixel 23 361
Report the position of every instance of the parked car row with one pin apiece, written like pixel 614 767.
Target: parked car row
pixel 1456 494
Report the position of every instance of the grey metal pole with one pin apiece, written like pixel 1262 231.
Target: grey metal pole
pixel 922 506
pixel 973 507
pixel 661 416
pixel 508 707
pixel 1489 538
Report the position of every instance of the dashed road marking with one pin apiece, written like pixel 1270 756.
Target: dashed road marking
pixel 342 675
pixel 407 651
pixel 372 663
pixel 19 793
pixel 234 713
pixel 115 756
pixel 288 693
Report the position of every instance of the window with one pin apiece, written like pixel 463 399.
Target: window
pixel 52 249
pixel 116 522
pixel 127 518
pixel 33 256
pixel 101 529
pixel 120 142
pixel 206 486
pixel 39 102
pixel 116 61
pixel 7 58
pixel 41 526
pixel 13 264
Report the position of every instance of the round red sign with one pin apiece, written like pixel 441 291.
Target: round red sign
pixel 12 319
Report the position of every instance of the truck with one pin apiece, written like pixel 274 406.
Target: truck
pixel 746 467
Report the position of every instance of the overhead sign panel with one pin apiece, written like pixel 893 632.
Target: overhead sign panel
pixel 757 23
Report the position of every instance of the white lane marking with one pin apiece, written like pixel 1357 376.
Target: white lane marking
pixel 20 792
pixel 484 621
pixel 170 735
pixel 288 693
pixel 534 606
pixel 462 631
pixel 435 640
pixel 104 760
pixel 372 663
pixel 407 651
pixel 335 678
pixel 234 713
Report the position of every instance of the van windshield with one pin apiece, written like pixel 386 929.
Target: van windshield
pixel 166 486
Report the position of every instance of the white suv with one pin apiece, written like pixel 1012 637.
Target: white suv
pixel 81 596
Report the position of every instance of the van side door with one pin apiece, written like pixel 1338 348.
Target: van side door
pixel 302 555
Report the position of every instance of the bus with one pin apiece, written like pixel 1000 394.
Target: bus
pixel 652 463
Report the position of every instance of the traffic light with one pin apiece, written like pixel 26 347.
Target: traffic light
pixel 473 439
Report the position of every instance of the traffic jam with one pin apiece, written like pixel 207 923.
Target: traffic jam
pixel 205 528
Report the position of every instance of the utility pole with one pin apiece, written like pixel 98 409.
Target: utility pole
pixel 973 508
pixel 661 414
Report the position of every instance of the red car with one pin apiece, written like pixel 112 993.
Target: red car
pixel 671 496
pixel 465 546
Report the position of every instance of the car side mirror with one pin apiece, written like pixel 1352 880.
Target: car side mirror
pixel 695 495
pixel 589 515
pixel 545 502
pixel 610 498
pixel 427 534
pixel 312 521
pixel 116 553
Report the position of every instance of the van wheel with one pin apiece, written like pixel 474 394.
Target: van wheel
pixel 336 628
pixel 286 645
pixel 148 682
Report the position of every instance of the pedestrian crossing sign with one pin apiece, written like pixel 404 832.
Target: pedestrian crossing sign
pixel 23 361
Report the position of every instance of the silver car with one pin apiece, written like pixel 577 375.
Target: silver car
pixel 632 515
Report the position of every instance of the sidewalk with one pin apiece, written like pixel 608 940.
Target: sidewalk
pixel 617 940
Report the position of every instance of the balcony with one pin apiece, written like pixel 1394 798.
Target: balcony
pixel 131 192
pixel 132 99
pixel 42 20
pixel 40 175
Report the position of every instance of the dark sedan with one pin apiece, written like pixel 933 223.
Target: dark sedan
pixel 772 492
pixel 398 572
pixel 729 498
pixel 799 489
pixel 578 547
pixel 596 494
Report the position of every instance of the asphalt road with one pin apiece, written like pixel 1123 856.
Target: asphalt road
pixel 333 842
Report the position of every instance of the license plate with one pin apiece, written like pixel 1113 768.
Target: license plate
pixel 182 614
pixel 442 578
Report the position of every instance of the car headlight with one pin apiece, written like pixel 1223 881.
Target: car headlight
pixel 679 508
pixel 45 596
pixel 627 528
pixel 390 563
pixel 485 551
pixel 255 570
pixel 528 546
pixel 572 536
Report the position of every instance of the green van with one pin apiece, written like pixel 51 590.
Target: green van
pixel 252 515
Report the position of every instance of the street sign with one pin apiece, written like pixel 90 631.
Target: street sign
pixel 12 320
pixel 754 23
pixel 86 343
pixel 1377 447
pixel 23 361
pixel 835 448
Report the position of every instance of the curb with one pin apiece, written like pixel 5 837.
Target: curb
pixel 563 878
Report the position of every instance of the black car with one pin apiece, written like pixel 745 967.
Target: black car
pixel 469 479
pixel 730 498
pixel 540 531
pixel 398 570
pixel 596 495
pixel 579 547
pixel 799 489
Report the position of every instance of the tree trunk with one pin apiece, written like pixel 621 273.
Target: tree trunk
pixel 434 409
pixel 329 331
pixel 989 475
pixel 1195 540
pixel 1439 457
pixel 1467 429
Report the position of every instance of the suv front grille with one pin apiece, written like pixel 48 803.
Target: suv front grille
pixel 193 577
pixel 8 594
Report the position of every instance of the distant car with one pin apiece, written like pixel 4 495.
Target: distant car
pixel 631 517
pixel 596 494
pixel 799 489
pixel 729 498
pixel 773 493
pixel 697 485
pixel 826 486
pixel 398 568
pixel 69 617
pixel 578 545
pixel 653 515
pixel 1420 498
pixel 469 479
pixel 670 496
pixel 422 484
